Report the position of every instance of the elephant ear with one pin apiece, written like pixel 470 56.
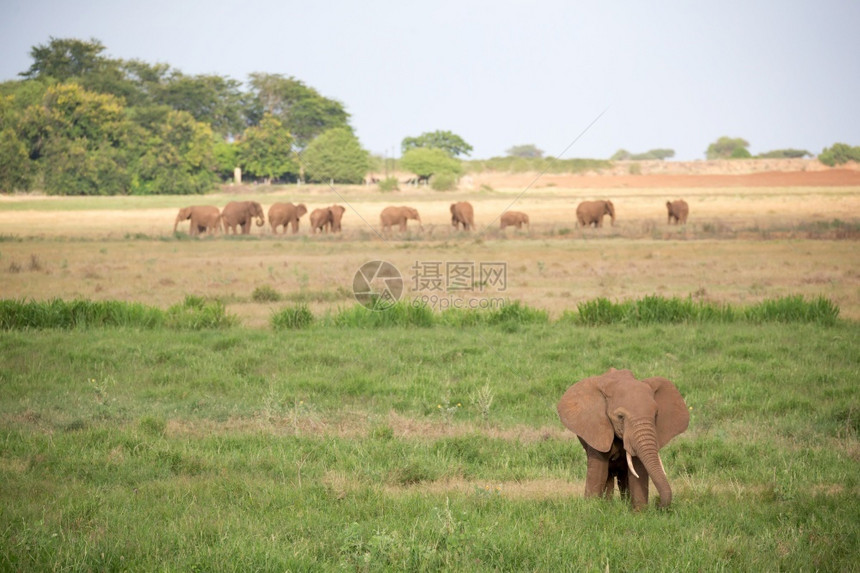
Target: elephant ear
pixel 673 417
pixel 582 410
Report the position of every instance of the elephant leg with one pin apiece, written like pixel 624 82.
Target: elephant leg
pixel 597 471
pixel 639 486
pixel 609 487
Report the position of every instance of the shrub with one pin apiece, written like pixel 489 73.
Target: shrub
pixel 389 184
pixel 265 293
pixel 197 313
pixel 839 153
pixel 294 317
pixel 443 182
pixel 726 147
pixel 335 155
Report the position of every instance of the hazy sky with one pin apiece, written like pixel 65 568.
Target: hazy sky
pixel 667 74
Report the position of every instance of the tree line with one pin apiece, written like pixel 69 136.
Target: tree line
pixel 79 122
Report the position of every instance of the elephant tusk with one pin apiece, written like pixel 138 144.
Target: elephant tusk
pixel 661 464
pixel 630 464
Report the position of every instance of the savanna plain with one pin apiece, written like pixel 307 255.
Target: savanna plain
pixel 342 446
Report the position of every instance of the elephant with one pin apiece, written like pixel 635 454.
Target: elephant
pixel 592 212
pixel 462 214
pixel 622 423
pixel 286 214
pixel 204 218
pixel 337 212
pixel 514 219
pixel 327 219
pixel 320 220
pixel 398 216
pixel 678 210
pixel 239 214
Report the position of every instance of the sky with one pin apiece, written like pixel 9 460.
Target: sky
pixel 575 79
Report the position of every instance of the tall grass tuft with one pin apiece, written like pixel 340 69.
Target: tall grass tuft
pixel 400 314
pixel 794 309
pixel 293 317
pixel 517 313
pixel 197 313
pixel 57 313
pixel 660 310
pixel 265 293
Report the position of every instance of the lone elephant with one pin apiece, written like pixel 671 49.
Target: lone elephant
pixel 462 214
pixel 239 214
pixel 286 214
pixel 622 423
pixel 678 211
pixel 204 219
pixel 514 219
pixel 591 213
pixel 398 216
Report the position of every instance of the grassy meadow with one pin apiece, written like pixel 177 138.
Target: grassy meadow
pixel 418 449
pixel 247 415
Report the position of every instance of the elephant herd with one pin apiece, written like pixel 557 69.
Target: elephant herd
pixel 236 217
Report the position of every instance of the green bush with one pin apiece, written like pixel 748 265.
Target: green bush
pixel 443 182
pixel 839 153
pixel 196 313
pixel 291 318
pixel 389 184
pixel 265 293
pixel 784 154
pixel 539 164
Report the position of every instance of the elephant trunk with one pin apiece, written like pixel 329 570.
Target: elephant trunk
pixel 642 443
pixel 260 221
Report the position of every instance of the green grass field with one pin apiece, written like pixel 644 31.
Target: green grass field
pixel 403 448
pixel 221 404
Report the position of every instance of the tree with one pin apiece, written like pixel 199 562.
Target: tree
pixel 525 151
pixel 266 150
pixel 80 140
pixel 226 155
pixel 425 162
pixel 728 148
pixel 653 154
pixel 63 59
pixel 785 154
pixel 451 143
pixel 177 158
pixel 211 99
pixel 335 155
pixel 839 153
pixel 301 109
pixel 15 166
